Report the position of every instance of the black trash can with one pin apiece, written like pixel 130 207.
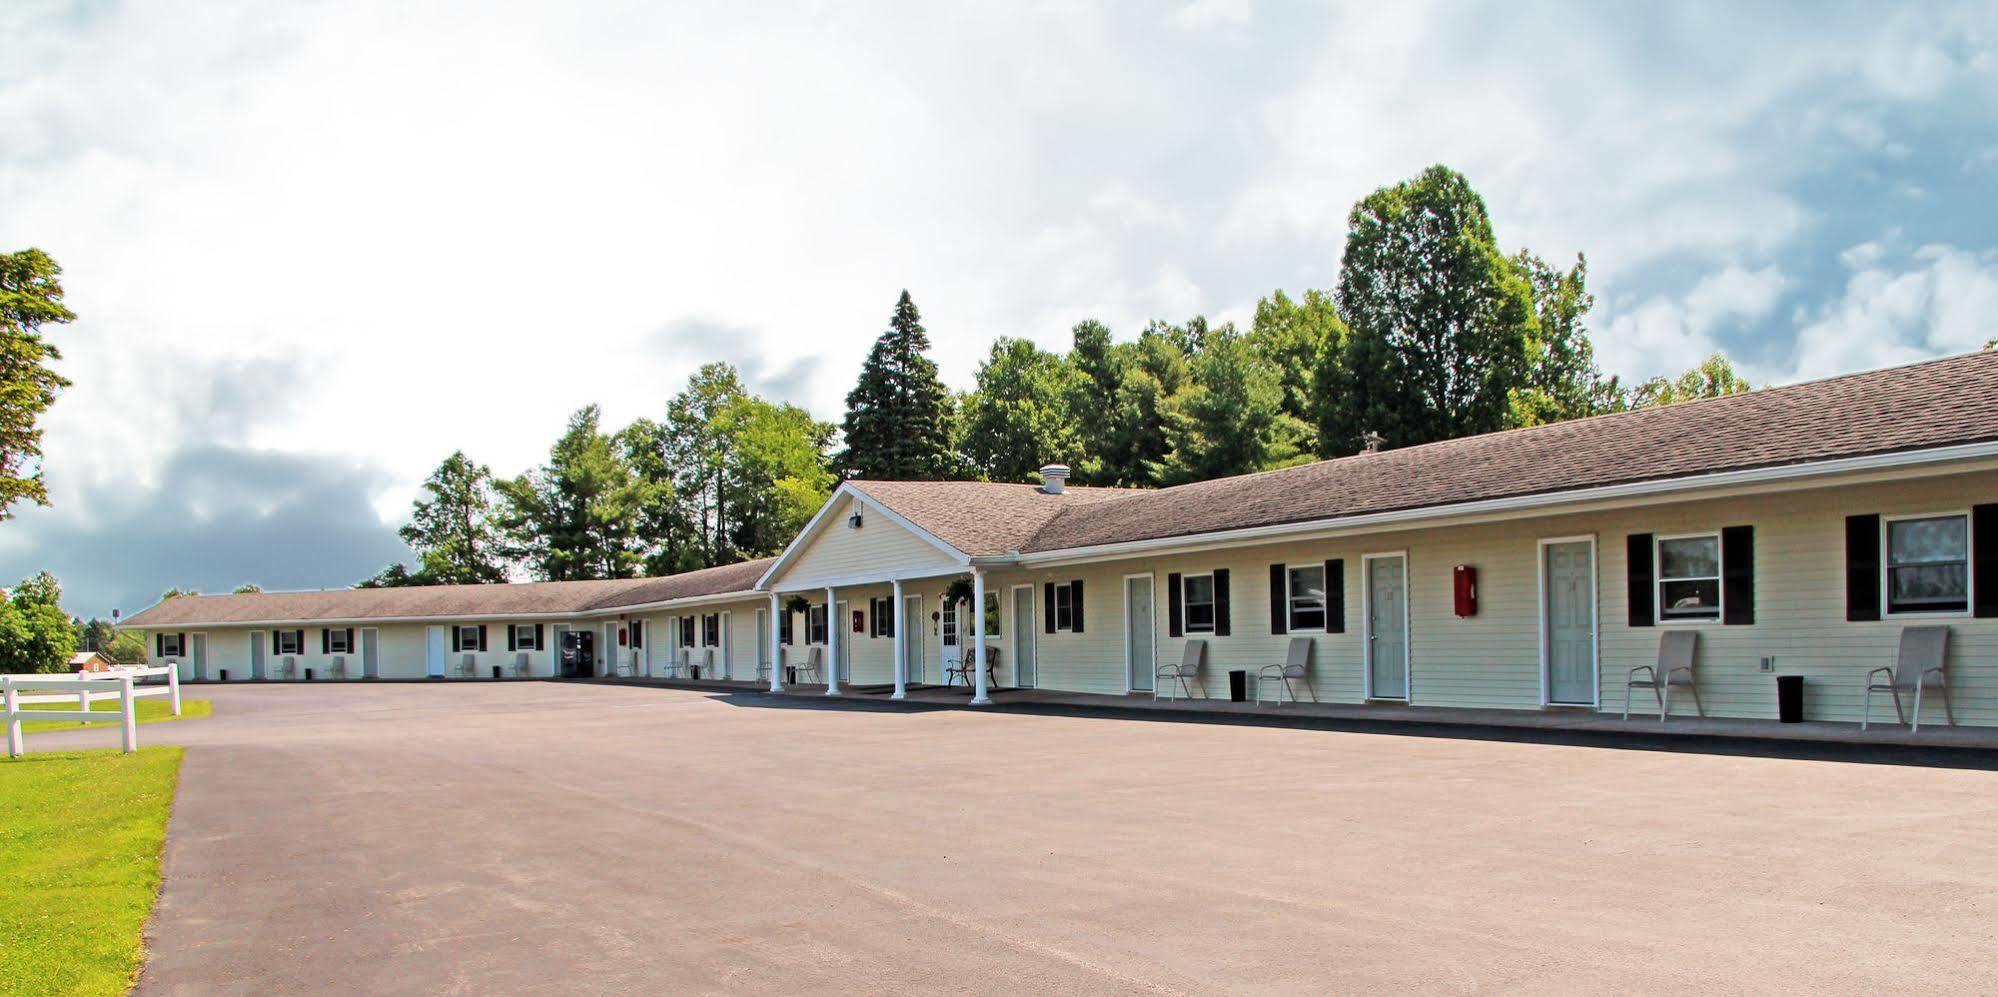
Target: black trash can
pixel 791 674
pixel 1790 698
pixel 695 672
pixel 1238 686
pixel 496 671
pixel 308 674
pixel 222 676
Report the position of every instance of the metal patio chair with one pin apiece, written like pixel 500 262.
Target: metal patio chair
pixel 287 667
pixel 338 668
pixel 1296 667
pixel 814 668
pixel 1918 664
pixel 468 665
pixel 1192 662
pixel 520 666
pixel 1674 667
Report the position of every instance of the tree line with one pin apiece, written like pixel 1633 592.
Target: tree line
pixel 1433 331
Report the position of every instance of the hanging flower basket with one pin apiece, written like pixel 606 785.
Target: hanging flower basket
pixel 957 591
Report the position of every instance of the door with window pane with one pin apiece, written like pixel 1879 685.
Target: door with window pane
pixel 1569 627
pixel 1387 627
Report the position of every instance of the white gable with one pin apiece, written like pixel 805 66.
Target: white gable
pixel 880 549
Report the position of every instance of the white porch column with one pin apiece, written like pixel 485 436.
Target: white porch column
pixel 832 643
pixel 901 647
pixel 776 643
pixel 981 697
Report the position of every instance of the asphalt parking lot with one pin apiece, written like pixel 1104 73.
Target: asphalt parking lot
pixel 549 837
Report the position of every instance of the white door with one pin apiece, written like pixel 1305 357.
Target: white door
pixel 257 654
pixel 1140 662
pixel 433 658
pixel 1387 627
pixel 199 652
pixel 371 664
pixel 911 636
pixel 613 655
pixel 763 642
pixel 842 631
pixel 1026 668
pixel 1568 594
pixel 727 646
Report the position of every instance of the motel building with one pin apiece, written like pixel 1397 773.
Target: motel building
pixel 1821 530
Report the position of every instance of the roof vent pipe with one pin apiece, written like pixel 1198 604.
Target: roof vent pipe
pixel 1053 478
pixel 1372 441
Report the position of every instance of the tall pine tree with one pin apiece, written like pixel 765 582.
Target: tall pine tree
pixel 898 416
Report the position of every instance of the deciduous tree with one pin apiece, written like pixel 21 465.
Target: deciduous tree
pixel 1714 377
pixel 35 634
pixel 1439 320
pixel 1019 416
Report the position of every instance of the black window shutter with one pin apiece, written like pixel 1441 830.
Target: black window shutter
pixel 456 642
pixel 512 639
pixel 1335 596
pixel 350 640
pixel 1738 574
pixel 159 645
pixel 325 640
pixel 1175 609
pixel 1641 591
pixel 1279 601
pixel 1075 605
pixel 186 649
pixel 537 636
pixel 1220 602
pixel 1984 559
pixel 1862 567
pixel 482 636
pixel 1047 607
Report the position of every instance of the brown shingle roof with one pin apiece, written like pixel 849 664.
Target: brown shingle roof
pixel 449 601
pixel 1936 403
pixel 981 518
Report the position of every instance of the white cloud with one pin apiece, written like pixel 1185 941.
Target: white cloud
pixel 1666 335
pixel 1205 14
pixel 1937 300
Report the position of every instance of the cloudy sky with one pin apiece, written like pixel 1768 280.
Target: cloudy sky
pixel 318 246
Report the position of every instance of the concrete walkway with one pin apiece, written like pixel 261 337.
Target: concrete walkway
pixel 547 837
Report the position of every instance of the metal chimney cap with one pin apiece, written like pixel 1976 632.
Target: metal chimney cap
pixel 1053 478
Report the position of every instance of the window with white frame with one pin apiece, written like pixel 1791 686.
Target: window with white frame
pixel 1197 599
pixel 336 641
pixel 1064 606
pixel 468 638
pixel 291 642
pixel 1305 586
pixel 523 637
pixel 711 630
pixel 1689 578
pixel 1928 564
pixel 820 634
pixel 170 646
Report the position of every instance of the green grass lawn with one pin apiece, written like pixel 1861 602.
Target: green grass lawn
pixel 147 710
pixel 80 840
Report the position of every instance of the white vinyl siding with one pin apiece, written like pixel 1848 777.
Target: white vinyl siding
pixel 879 548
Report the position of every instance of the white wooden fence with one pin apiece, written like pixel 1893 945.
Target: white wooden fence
pixel 83 690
